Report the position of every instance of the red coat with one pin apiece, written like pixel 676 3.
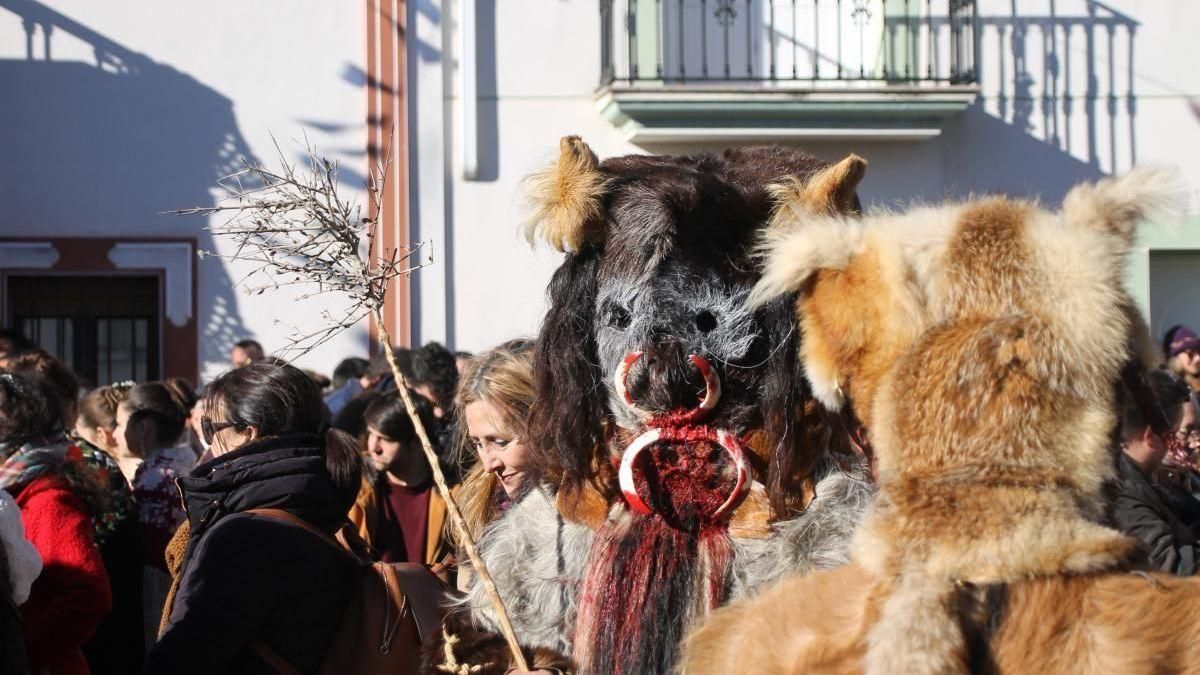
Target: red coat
pixel 72 594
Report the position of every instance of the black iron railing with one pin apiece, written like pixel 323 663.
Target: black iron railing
pixel 787 41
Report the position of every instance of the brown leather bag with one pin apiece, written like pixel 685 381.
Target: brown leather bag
pixel 396 608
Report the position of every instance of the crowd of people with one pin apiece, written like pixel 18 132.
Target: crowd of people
pixel 134 536
pixel 135 518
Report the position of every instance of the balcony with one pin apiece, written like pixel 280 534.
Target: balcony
pixel 685 71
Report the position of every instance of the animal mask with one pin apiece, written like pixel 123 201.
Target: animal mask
pixel 981 344
pixel 659 265
pixel 649 365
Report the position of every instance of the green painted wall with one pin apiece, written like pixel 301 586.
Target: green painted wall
pixel 1158 237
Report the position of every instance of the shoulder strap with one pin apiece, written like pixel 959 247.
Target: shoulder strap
pixel 262 649
pixel 272 659
pixel 288 517
pixel 425 593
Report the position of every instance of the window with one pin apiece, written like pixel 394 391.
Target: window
pixel 107 328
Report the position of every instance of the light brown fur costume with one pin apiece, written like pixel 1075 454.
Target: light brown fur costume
pixel 979 343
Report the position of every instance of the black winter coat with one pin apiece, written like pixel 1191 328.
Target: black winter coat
pixel 1143 512
pixel 246 576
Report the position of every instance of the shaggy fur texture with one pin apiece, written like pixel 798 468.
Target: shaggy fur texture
pixel 566 199
pixel 537 559
pixel 669 277
pixel 980 344
pixel 660 262
pixel 817 540
pixel 1091 624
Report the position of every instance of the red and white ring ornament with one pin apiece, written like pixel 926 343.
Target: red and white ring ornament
pixel 712 387
pixel 727 441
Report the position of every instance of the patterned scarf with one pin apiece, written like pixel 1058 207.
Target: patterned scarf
pixel 24 460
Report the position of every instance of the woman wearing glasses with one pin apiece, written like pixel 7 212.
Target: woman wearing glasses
pixel 251 589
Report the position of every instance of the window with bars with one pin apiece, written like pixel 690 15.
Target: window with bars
pixel 107 328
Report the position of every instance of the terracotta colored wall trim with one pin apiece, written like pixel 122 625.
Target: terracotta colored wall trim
pixel 179 345
pixel 387 130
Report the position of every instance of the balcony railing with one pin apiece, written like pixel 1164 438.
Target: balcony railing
pixel 788 43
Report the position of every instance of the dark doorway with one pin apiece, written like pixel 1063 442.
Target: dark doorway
pixel 107 328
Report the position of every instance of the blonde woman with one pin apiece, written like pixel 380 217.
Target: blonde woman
pixel 501 495
pixel 493 399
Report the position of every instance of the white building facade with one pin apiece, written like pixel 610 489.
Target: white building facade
pixel 116 112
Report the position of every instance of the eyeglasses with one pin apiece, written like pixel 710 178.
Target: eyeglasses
pixel 208 428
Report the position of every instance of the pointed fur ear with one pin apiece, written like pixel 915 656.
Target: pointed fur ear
pixel 565 199
pixel 829 190
pixel 796 251
pixel 1117 205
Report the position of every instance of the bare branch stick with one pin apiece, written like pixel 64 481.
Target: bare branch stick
pixel 293 228
pixel 456 517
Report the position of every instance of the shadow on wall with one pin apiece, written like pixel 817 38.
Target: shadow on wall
pixel 102 148
pixel 1058 107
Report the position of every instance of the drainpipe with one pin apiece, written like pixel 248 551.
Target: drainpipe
pixel 468 91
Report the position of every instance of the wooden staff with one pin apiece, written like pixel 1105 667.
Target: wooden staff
pixel 456 518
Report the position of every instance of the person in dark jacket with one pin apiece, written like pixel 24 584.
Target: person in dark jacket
pixel 1141 509
pixel 252 588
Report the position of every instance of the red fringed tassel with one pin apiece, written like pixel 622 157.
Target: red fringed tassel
pixel 651 578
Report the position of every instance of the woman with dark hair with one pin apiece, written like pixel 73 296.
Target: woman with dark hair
pixel 57 495
pixel 398 512
pixel 118 644
pixel 150 422
pixel 251 589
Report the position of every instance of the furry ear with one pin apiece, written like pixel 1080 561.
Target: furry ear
pixel 796 252
pixel 565 199
pixel 829 190
pixel 1117 205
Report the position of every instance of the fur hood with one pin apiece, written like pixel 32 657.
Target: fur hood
pixel 980 344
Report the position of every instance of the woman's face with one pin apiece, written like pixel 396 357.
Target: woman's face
pixel 105 439
pixel 225 437
pixel 499 450
pixel 1189 362
pixel 122 434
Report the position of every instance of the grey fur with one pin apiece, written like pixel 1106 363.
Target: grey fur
pixel 537 560
pixel 666 306
pixel 818 539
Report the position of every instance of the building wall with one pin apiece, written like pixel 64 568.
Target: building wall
pixel 1053 112
pixel 140 107
pixel 185 89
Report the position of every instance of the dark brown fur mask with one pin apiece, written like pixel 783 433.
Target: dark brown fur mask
pixel 660 260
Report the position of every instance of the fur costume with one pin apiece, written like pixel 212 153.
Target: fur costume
pixel 649 347
pixel 980 344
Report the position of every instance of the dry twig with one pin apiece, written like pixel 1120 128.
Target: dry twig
pixel 295 228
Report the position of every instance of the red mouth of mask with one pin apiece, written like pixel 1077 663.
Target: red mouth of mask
pixel 681 428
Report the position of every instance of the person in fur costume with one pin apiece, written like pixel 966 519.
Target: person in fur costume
pixel 981 345
pixel 683 463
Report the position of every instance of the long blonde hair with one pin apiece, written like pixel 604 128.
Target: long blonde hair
pixel 502 377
